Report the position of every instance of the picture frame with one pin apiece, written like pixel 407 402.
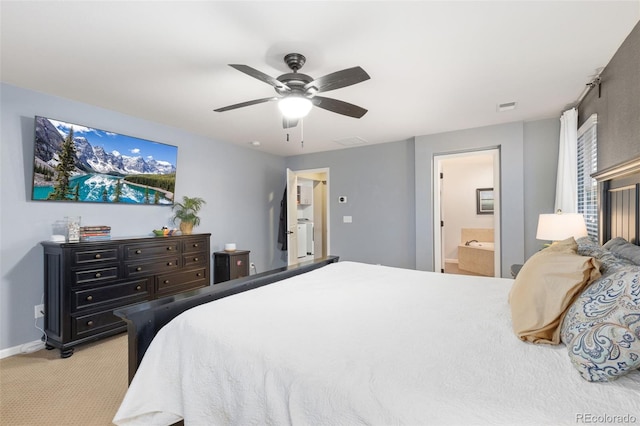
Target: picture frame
pixel 484 201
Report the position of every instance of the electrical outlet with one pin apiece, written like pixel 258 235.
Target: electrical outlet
pixel 38 311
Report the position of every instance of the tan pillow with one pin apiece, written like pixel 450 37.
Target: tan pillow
pixel 544 289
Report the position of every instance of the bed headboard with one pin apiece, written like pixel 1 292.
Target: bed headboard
pixel 619 191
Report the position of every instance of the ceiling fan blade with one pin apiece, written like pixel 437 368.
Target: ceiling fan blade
pixel 288 123
pixel 337 80
pixel 244 104
pixel 260 76
pixel 339 107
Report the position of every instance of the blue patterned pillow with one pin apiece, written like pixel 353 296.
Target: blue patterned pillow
pixel 608 261
pixel 602 327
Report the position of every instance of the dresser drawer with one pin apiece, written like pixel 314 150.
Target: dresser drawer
pixel 95 276
pixel 194 244
pixel 146 251
pixel 103 255
pixel 180 281
pixel 86 325
pixel 194 259
pixel 166 264
pixel 122 294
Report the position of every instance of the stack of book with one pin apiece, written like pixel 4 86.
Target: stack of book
pixel 95 233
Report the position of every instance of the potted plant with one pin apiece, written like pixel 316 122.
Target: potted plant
pixel 187 211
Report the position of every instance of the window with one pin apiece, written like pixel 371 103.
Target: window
pixel 588 164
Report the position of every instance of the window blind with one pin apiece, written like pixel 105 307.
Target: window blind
pixel 588 164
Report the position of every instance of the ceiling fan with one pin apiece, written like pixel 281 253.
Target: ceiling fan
pixel 298 92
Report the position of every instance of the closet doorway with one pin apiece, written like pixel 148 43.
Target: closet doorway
pixel 308 231
pixel 466 212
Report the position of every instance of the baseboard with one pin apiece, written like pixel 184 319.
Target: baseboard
pixel 25 348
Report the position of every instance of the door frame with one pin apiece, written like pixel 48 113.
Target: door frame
pixel 438 241
pixel 291 196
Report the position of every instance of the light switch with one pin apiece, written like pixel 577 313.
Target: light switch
pixel 347 219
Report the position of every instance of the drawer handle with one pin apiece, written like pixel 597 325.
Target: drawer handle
pixel 139 268
pixel 90 323
pixel 138 287
pixel 196 245
pixel 138 251
pixel 195 259
pixel 170 248
pixel 166 281
pixel 98 256
pixel 89 298
pixel 198 274
pixel 170 264
pixel 98 275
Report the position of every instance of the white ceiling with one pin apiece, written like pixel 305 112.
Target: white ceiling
pixel 434 66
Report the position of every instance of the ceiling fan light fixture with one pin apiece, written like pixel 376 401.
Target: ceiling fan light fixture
pixel 294 107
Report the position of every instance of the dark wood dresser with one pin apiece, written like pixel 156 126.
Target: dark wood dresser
pixel 85 281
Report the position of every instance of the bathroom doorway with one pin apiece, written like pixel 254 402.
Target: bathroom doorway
pixel 467 212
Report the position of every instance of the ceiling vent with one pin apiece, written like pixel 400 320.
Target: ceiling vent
pixel 352 141
pixel 507 106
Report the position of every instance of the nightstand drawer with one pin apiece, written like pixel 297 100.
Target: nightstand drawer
pixel 122 294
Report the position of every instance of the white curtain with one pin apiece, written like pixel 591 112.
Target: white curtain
pixel 567 179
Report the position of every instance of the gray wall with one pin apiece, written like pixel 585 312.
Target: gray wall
pixel 242 187
pixel 390 196
pixel 378 182
pixel 618 106
pixel 541 143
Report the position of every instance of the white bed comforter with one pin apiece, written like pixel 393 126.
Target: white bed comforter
pixel 353 343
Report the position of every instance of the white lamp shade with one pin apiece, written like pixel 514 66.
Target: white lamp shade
pixel 294 106
pixel 560 226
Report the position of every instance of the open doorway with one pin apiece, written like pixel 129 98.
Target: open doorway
pixel 308 231
pixel 467 213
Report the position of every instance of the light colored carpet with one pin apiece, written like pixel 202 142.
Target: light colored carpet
pixel 85 389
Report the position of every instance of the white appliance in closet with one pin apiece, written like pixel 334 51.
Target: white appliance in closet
pixel 305 238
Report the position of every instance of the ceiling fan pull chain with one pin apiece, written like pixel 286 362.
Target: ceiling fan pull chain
pixel 287 136
pixel 302 133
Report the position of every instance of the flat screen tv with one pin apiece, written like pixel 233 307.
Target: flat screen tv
pixel 79 163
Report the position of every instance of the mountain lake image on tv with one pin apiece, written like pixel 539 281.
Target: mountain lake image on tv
pixel 78 163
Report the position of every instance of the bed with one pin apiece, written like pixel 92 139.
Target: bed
pixel 352 343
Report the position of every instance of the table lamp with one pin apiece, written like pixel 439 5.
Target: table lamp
pixel 560 226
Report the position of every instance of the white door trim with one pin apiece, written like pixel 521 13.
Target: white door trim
pixel 309 173
pixel 438 261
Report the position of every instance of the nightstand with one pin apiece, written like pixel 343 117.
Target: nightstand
pixel 229 265
pixel 515 269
